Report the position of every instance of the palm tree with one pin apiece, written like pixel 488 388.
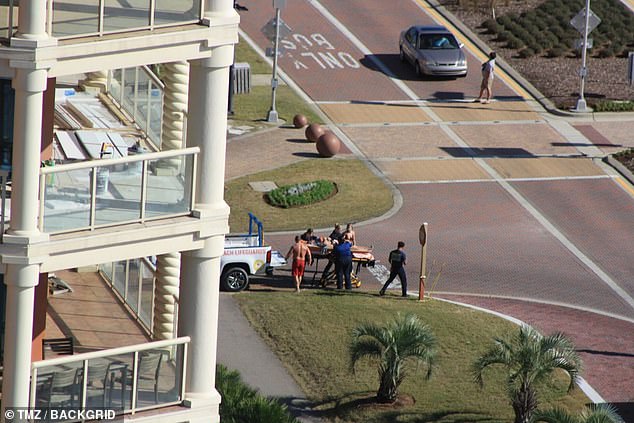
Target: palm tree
pixel 395 345
pixel 596 413
pixel 529 358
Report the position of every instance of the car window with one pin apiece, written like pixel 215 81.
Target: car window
pixel 411 35
pixel 437 42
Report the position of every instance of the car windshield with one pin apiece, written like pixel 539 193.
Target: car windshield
pixel 437 42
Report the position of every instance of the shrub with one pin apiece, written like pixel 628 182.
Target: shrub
pixel 504 20
pixel 514 43
pixel 301 194
pixel 241 403
pixel 504 36
pixel 614 106
pixel 556 52
pixel 492 26
pixel 526 53
pixel 536 47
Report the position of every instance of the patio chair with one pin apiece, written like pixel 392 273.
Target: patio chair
pixel 59 389
pixel 97 383
pixel 148 369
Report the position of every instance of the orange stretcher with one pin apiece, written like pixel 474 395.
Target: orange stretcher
pixel 361 257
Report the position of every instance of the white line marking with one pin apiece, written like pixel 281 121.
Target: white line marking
pixel 467 181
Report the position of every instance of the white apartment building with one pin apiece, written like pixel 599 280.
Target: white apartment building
pixel 41 40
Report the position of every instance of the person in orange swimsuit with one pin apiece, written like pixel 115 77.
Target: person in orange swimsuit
pixel 301 255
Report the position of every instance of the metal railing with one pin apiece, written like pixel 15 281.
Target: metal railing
pixel 125 379
pixel 107 192
pixel 67 19
pixel 139 92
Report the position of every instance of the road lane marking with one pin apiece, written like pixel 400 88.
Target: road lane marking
pixel 467 181
pixel 627 187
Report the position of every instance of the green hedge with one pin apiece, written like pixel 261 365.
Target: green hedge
pixel 614 106
pixel 301 194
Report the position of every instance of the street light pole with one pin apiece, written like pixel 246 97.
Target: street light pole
pixel 581 101
pixel 272 115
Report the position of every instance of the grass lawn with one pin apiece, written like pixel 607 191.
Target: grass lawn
pixel 252 108
pixel 310 332
pixel 244 53
pixel 361 195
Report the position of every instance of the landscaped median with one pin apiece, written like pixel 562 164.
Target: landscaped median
pixel 311 333
pixel 361 195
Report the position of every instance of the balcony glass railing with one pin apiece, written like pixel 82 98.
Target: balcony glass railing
pixel 122 380
pixel 81 18
pixel 110 192
pixel 133 280
pixel 140 94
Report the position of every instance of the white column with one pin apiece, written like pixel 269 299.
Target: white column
pixel 21 278
pixel 29 86
pixel 207 123
pixel 200 269
pixel 21 281
pixel 32 20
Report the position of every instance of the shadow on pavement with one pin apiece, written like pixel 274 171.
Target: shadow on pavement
pixel 487 152
pixel 397 69
pixel 625 410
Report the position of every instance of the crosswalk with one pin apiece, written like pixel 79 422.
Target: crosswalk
pixel 381 273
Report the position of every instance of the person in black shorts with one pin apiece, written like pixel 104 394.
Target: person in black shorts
pixel 397 261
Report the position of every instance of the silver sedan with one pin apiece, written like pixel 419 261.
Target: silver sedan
pixel 433 50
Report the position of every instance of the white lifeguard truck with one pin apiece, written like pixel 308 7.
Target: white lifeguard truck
pixel 245 255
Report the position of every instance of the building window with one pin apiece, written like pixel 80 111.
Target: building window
pixel 7 97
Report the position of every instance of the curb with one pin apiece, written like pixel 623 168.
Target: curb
pixel 625 172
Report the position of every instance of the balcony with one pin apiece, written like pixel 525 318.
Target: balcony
pixel 124 380
pixel 67 19
pixel 107 192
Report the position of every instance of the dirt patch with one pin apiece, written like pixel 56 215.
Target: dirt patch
pixel 555 77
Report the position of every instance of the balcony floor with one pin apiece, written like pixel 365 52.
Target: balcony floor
pixel 91 314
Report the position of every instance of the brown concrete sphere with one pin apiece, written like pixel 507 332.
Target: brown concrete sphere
pixel 299 121
pixel 328 144
pixel 314 131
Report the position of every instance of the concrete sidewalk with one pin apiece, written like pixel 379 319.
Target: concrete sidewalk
pixel 241 348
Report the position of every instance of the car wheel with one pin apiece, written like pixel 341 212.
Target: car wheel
pixel 234 279
pixel 419 71
pixel 401 55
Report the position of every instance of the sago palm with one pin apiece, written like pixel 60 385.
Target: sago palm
pixel 529 358
pixel 597 413
pixel 400 342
